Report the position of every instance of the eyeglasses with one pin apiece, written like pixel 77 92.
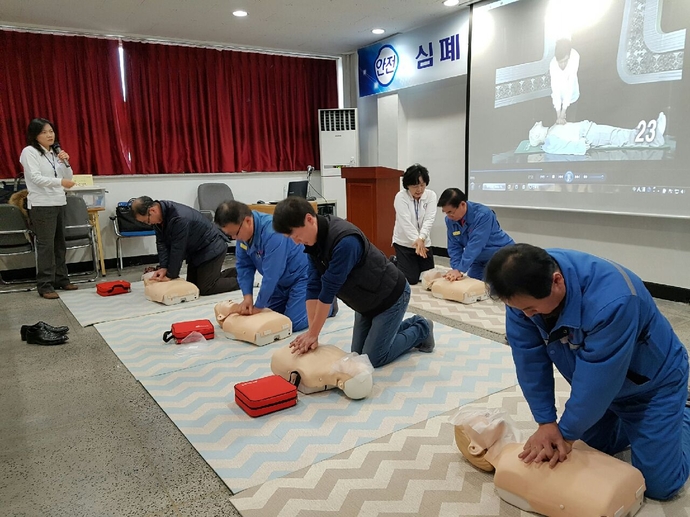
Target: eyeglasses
pixel 238 230
pixel 418 186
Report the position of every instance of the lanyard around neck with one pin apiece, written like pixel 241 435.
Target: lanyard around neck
pixel 416 203
pixel 52 163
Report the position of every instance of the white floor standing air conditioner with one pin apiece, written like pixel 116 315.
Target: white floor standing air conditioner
pixel 339 147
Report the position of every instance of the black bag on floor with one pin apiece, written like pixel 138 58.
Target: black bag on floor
pixel 126 221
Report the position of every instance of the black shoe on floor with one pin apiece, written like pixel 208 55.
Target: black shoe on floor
pixel 45 337
pixel 42 325
pixel 393 259
pixel 427 346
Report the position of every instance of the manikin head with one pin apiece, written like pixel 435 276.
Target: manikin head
pixel 481 434
pixel 537 135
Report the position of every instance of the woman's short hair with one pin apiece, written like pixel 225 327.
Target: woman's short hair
pixel 412 175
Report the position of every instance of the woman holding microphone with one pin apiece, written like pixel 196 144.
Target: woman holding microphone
pixel 47 174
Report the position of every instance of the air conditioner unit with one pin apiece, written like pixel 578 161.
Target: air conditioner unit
pixel 338 140
pixel 339 147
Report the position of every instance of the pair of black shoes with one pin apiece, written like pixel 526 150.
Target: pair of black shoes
pixel 44 334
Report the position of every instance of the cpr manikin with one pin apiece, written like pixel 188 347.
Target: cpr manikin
pixel 325 368
pixel 171 292
pixel 466 290
pixel 259 329
pixel 588 483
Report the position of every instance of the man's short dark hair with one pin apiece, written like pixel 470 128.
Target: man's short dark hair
pixel 452 197
pixel 231 212
pixel 563 48
pixel 290 213
pixel 141 205
pixel 413 173
pixel 520 269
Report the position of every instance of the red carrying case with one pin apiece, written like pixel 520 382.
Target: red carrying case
pixel 179 331
pixel 265 395
pixel 114 287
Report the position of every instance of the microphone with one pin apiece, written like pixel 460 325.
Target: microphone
pixel 58 150
pixel 310 169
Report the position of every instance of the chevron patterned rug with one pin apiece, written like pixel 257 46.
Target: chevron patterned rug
pixel 138 342
pixel 247 452
pixel 89 308
pixel 415 471
pixel 487 314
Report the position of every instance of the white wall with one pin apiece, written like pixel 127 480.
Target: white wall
pixel 656 249
pixel 246 187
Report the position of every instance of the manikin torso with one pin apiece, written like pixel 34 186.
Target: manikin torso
pixel 588 484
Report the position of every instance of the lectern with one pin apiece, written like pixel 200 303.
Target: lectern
pixel 370 193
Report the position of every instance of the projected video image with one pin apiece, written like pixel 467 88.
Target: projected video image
pixel 579 89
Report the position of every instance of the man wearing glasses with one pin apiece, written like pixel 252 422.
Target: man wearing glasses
pixel 474 234
pixel 183 233
pixel 281 262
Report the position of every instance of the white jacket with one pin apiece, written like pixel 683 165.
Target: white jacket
pixel 411 224
pixel 42 181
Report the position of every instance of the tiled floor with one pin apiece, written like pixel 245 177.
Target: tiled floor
pixel 80 436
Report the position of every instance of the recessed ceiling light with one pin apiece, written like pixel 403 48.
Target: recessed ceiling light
pixel 378 31
pixel 451 3
pixel 239 14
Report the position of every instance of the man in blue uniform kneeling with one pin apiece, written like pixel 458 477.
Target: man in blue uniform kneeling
pixel 282 263
pixel 343 262
pixel 597 323
pixel 474 234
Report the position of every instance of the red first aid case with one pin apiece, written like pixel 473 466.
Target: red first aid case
pixel 265 395
pixel 181 330
pixel 113 288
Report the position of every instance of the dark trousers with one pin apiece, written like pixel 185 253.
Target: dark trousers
pixel 207 277
pixel 411 264
pixel 48 224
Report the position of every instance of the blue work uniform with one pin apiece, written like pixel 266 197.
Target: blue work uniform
pixel 284 267
pixel 627 369
pixel 474 239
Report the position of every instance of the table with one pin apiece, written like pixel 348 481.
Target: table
pixel 93 219
pixel 268 208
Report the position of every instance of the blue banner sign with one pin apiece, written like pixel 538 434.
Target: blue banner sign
pixel 427 54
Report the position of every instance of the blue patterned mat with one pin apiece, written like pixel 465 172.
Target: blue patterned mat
pixel 247 451
pixel 138 342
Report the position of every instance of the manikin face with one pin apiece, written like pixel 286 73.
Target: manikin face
pixel 306 234
pixel 531 306
pixel 46 137
pixel 453 213
pixel 537 135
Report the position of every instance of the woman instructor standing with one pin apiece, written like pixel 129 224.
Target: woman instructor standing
pixel 47 174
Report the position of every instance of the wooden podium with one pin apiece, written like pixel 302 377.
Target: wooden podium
pixel 370 194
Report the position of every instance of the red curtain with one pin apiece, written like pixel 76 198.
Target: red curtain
pixel 72 81
pixel 203 110
pixel 187 109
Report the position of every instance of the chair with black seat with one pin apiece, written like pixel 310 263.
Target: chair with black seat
pixel 15 239
pixel 79 233
pixel 210 195
pixel 126 226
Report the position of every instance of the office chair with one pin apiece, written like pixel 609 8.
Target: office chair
pixel 15 239
pixel 210 195
pixel 79 233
